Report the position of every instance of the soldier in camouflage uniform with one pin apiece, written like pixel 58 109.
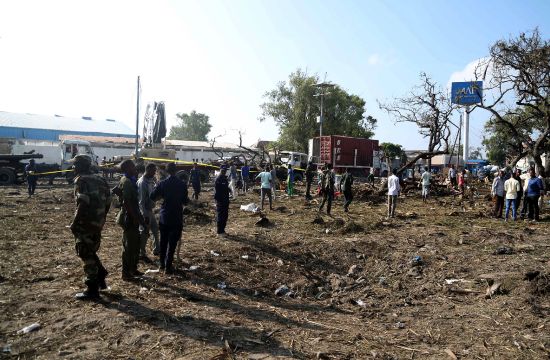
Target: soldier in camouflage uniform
pixel 93 199
pixel 130 219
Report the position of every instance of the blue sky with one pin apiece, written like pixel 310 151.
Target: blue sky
pixel 220 57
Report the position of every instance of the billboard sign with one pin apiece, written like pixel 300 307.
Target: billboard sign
pixel 467 93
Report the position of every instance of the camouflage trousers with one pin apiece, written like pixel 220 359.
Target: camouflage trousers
pixel 86 246
pixel 130 249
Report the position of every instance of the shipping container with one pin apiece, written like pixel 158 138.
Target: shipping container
pixel 344 151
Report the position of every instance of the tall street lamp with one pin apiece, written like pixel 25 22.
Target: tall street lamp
pixel 323 86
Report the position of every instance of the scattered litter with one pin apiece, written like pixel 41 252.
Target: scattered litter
pixel 250 208
pixel 263 222
pixel 222 285
pixel 452 281
pixel 151 271
pixel 28 329
pixel 193 268
pixel 282 290
pixel 327 231
pixel 382 281
pixel 280 262
pixel 504 250
pixel 143 290
pixel 354 269
pixel 318 220
pixel 360 303
pixel 6 349
pixel 400 325
pixel 212 252
pixel 493 290
pixel 417 261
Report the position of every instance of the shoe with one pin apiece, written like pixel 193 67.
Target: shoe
pixel 169 271
pixel 88 295
pixel 138 273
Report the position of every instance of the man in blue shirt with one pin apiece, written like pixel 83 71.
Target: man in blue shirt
pixel 265 177
pixel 173 191
pixel 221 195
pixel 195 179
pixel 532 194
pixel 245 174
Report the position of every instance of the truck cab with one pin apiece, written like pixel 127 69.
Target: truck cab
pixel 296 159
pixel 71 148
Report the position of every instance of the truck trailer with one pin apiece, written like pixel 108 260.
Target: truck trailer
pixel 358 154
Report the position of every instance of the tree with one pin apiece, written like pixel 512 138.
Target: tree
pixel 391 151
pixel 194 126
pixel 518 69
pixel 294 108
pixel 430 109
pixel 475 153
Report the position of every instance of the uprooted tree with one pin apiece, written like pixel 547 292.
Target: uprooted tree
pixel 516 78
pixel 427 106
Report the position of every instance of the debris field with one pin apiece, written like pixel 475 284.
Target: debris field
pixel 442 280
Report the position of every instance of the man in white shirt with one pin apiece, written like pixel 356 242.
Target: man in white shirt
pixel 426 179
pixel 393 191
pixel 511 188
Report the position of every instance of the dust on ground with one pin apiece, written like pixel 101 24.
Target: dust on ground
pixel 441 280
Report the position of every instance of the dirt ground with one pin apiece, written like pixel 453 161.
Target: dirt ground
pixel 359 286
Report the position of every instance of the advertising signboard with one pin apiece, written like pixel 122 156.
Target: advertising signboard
pixel 466 93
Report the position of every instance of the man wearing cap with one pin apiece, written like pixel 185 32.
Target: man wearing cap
pixel 129 218
pixel 93 200
pixel 221 195
pixel 173 192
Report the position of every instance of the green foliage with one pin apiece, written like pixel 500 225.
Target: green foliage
pixel 295 108
pixel 194 126
pixel 391 151
pixel 510 137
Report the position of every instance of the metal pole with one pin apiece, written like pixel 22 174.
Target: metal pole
pixel 137 118
pixel 321 127
pixel 466 131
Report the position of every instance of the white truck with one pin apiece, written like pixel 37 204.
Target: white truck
pixel 55 156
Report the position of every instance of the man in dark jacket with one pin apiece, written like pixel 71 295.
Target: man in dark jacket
pixel 327 187
pixel 129 218
pixel 195 180
pixel 310 173
pixel 345 187
pixel 173 192
pixel 221 195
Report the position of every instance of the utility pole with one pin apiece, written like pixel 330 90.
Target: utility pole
pixel 323 86
pixel 465 153
pixel 137 117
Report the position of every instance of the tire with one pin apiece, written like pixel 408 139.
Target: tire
pixel 7 176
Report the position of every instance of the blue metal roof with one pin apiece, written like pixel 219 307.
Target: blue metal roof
pixel 44 127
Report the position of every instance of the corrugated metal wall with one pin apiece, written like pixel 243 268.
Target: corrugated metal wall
pixel 43 134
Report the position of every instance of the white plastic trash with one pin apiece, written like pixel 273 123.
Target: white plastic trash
pixel 28 329
pixel 250 207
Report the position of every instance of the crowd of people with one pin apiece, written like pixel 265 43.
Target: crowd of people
pixel 138 197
